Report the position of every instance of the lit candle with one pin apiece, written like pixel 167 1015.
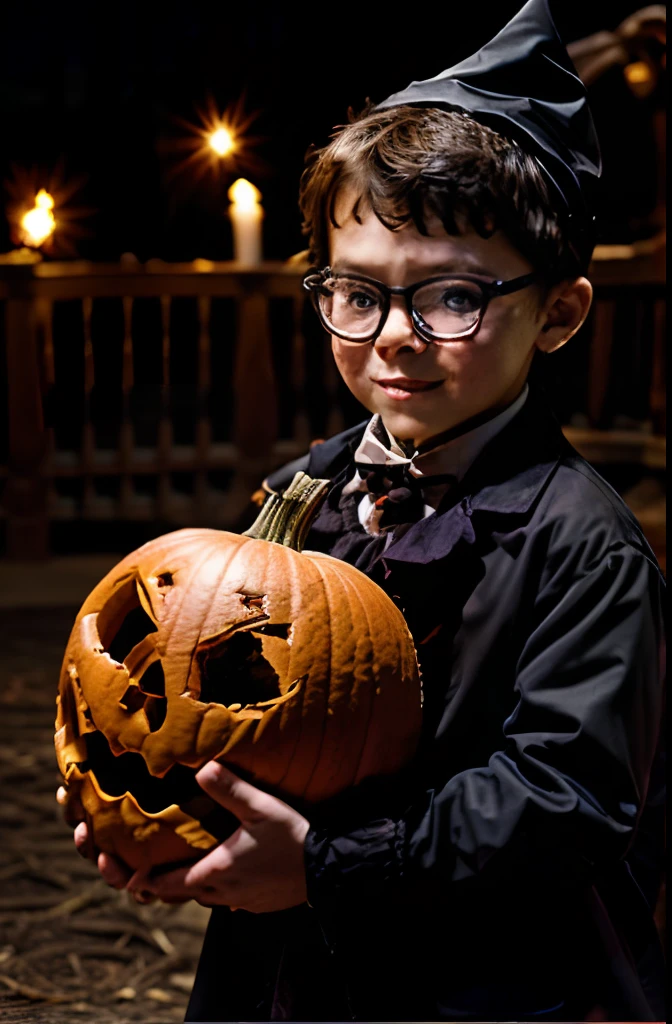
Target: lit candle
pixel 246 215
pixel 38 224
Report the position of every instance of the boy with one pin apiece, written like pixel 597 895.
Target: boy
pixel 501 877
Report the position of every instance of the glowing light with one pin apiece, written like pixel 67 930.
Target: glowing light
pixel 34 195
pixel 39 223
pixel 218 145
pixel 637 73
pixel 244 194
pixel 222 142
pixel 44 200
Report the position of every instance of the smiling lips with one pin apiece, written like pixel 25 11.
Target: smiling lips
pixel 405 387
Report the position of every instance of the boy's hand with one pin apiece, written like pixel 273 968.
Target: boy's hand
pixel 71 806
pixel 259 868
pixel 112 870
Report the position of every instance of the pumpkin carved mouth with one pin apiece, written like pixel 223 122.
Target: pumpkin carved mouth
pixel 128 773
pixel 122 774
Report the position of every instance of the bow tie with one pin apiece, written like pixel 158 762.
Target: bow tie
pixel 397 492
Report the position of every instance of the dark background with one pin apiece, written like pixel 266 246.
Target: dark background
pixel 92 93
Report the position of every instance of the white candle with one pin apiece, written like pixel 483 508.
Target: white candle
pixel 246 215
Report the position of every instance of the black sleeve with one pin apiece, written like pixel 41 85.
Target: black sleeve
pixel 564 793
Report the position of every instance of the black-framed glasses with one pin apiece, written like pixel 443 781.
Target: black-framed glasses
pixel 441 308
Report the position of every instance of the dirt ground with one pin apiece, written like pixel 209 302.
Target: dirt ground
pixel 71 948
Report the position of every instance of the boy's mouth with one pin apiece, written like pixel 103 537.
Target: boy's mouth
pixel 404 387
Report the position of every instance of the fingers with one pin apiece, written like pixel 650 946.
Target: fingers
pixel 149 878
pixel 73 811
pixel 169 888
pixel 84 843
pixel 116 874
pixel 181 885
pixel 200 874
pixel 113 871
pixel 245 801
pixel 81 837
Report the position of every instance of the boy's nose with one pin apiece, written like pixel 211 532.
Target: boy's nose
pixel 398 331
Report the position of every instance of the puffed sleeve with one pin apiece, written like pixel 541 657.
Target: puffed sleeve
pixel 563 794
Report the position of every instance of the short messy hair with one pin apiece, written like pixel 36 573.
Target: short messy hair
pixel 408 162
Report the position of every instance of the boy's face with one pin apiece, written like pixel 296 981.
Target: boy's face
pixel 474 375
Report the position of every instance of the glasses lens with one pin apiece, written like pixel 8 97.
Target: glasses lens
pixel 353 308
pixel 449 307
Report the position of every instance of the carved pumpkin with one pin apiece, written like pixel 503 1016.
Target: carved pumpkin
pixel 294 668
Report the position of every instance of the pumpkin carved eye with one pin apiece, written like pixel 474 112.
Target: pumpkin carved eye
pixel 238 673
pixel 134 628
pixel 128 634
pixel 125 619
pixel 245 666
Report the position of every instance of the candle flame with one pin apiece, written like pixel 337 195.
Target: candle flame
pixel 39 223
pixel 222 141
pixel 34 197
pixel 244 194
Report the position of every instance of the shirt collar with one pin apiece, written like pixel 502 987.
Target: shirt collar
pixel 453 456
pixel 507 478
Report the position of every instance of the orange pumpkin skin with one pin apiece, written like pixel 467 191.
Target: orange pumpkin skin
pixel 294 668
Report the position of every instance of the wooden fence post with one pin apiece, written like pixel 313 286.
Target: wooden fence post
pixel 25 494
pixel 255 398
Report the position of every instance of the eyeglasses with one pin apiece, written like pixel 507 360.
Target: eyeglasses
pixel 355 308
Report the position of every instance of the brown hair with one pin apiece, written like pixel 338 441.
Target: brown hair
pixel 408 162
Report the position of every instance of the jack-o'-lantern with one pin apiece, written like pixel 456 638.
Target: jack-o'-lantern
pixel 291 667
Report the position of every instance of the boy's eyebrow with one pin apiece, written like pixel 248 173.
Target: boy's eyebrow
pixel 465 266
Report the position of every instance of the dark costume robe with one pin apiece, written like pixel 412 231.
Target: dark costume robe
pixel 511 873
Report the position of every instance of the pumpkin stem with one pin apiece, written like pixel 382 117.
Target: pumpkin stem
pixel 286 518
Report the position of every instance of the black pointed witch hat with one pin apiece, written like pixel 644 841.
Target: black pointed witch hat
pixel 523 85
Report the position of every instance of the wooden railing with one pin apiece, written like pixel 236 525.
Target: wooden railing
pixel 165 392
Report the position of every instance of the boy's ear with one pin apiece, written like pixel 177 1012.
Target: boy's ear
pixel 565 310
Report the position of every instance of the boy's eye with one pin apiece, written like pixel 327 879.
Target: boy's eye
pixel 361 300
pixel 355 297
pixel 462 299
